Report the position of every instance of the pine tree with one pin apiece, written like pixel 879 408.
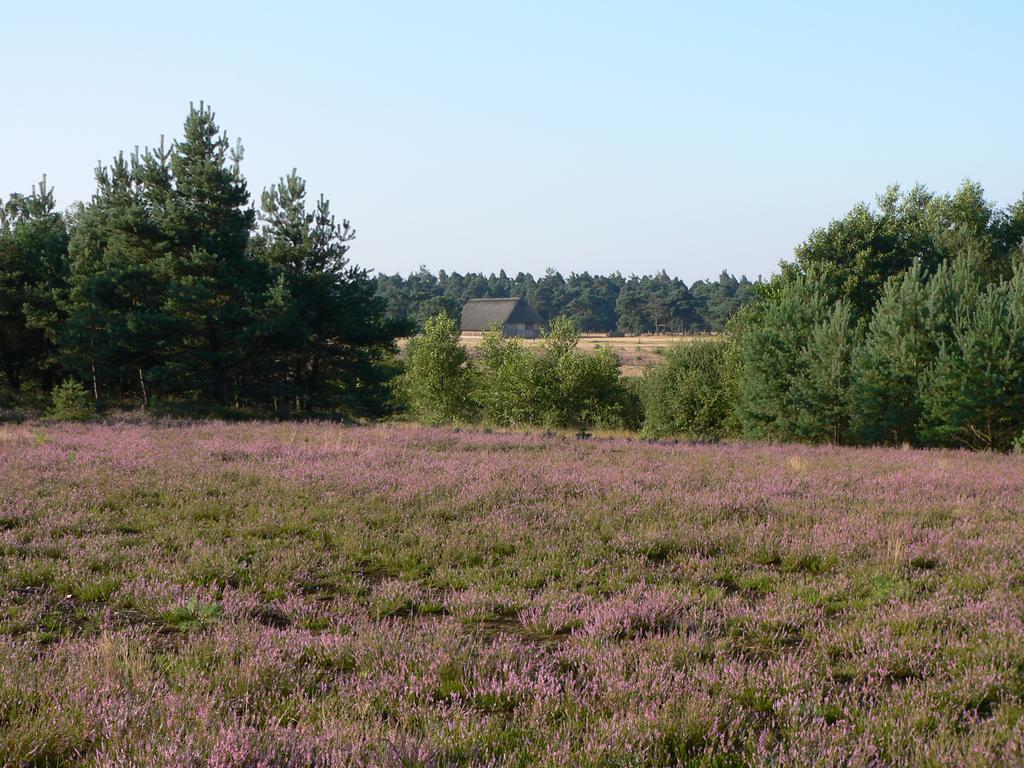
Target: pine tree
pixel 163 290
pixel 891 363
pixel 821 389
pixel 117 326
pixel 213 285
pixel 951 292
pixel 325 325
pixel 629 308
pixel 771 355
pixel 975 393
pixel 169 293
pixel 33 271
pixel 913 322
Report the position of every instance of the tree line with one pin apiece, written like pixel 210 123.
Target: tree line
pixel 594 303
pixel 170 284
pixel 901 323
pixel 898 324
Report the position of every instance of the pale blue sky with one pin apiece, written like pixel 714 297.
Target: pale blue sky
pixel 594 136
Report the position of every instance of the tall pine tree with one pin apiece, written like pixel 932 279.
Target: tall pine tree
pixel 162 287
pixel 33 269
pixel 116 326
pixel 213 284
pixel 325 327
pixel 889 366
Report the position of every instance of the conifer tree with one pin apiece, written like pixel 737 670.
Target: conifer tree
pixel 213 284
pixel 771 355
pixel 117 326
pixel 951 292
pixel 891 363
pixel 821 389
pixel 162 287
pixel 913 322
pixel 33 270
pixel 975 393
pixel 168 291
pixel 325 326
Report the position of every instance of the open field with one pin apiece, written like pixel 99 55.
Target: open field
pixel 637 353
pixel 314 595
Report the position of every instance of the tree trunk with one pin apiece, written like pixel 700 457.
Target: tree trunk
pixel 145 395
pixel 314 379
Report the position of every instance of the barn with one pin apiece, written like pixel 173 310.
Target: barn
pixel 514 316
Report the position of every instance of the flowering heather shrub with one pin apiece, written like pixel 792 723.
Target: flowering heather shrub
pixel 314 595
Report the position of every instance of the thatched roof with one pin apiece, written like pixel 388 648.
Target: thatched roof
pixel 481 314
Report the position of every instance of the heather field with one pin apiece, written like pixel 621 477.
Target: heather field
pixel 315 595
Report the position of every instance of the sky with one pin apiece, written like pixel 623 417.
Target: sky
pixel 585 136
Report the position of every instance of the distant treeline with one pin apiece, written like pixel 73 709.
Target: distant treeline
pixel 594 303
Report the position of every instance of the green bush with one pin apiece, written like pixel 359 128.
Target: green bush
pixel 632 414
pixel 686 394
pixel 70 401
pixel 507 382
pixel 558 387
pixel 575 390
pixel 438 379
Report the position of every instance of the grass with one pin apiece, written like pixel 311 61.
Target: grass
pixel 272 594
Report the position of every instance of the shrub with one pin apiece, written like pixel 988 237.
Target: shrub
pixel 559 387
pixel 632 414
pixel 437 383
pixel 685 394
pixel 577 390
pixel 70 401
pixel 507 383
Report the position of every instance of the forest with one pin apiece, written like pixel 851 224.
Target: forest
pixel 170 285
pixel 595 303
